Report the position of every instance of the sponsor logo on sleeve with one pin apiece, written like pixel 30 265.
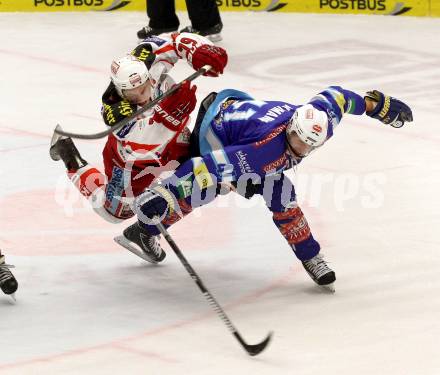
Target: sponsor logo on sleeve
pixel 271 136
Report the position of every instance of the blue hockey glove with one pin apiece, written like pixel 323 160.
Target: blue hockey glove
pixel 153 204
pixel 389 110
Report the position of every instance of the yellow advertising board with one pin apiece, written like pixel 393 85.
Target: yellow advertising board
pixel 435 8
pixel 384 7
pixel 69 5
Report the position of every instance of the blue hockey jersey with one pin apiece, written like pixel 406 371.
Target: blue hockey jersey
pixel 248 135
pixel 241 138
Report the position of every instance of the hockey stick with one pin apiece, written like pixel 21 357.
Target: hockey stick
pixel 250 349
pixel 141 110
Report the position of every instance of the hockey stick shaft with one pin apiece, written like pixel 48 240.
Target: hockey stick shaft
pixel 141 110
pixel 250 349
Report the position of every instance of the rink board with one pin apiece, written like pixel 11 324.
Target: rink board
pixel 383 7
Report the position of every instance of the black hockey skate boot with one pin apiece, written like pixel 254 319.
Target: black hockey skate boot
pixel 141 243
pixel 212 33
pixel 148 31
pixel 8 283
pixel 63 148
pixel 320 272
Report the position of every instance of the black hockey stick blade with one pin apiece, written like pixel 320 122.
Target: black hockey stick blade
pixel 141 110
pixel 256 349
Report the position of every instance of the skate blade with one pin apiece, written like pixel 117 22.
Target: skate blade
pixel 215 37
pixel 328 288
pixel 13 297
pixel 121 240
pixel 52 151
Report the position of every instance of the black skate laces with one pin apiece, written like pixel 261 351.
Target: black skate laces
pixel 317 266
pixel 5 273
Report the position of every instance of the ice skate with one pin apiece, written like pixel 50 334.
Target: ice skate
pixel 63 148
pixel 320 272
pixel 142 244
pixel 8 283
pixel 147 32
pixel 212 33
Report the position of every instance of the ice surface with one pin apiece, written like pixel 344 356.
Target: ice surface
pixel 86 306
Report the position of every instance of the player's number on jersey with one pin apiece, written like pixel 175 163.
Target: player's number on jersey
pixel 187 45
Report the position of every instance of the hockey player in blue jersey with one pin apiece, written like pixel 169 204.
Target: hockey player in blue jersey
pixel 245 145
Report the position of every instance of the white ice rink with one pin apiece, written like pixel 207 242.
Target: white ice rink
pixel 371 195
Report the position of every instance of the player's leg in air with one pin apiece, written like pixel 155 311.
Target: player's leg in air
pixel 91 183
pixel 112 194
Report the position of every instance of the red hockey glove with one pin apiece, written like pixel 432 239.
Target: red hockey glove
pixel 207 54
pixel 174 110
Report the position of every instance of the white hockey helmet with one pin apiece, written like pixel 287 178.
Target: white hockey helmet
pixel 310 124
pixel 128 72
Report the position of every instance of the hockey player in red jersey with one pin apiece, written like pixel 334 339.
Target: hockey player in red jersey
pixel 158 138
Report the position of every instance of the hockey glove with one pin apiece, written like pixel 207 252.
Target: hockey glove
pixel 175 109
pixel 207 54
pixel 153 204
pixel 389 110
